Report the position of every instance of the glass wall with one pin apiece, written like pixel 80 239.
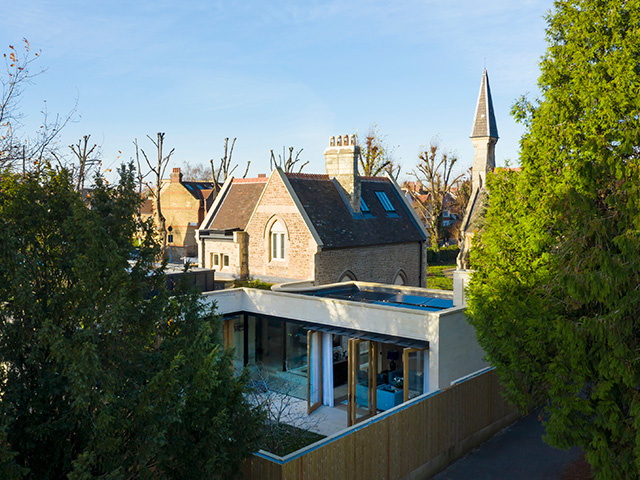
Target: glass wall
pixel 274 350
pixel 416 371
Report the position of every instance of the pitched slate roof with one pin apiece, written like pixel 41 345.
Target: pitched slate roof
pixel 335 224
pixel 236 207
pixel 199 190
pixel 484 123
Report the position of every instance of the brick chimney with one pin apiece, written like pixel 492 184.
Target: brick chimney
pixel 341 163
pixel 176 176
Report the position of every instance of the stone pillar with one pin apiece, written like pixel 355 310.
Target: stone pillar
pixel 460 282
pixel 241 239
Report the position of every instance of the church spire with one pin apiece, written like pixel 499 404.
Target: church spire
pixel 484 135
pixel 484 123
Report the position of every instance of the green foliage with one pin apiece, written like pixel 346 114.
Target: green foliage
pixel 288 439
pixel 555 295
pixel 442 256
pixel 103 373
pixel 256 283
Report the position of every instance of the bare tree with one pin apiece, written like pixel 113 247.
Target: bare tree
pixel 287 164
pixel 14 150
pixel 456 203
pixel 82 152
pixel 196 173
pixel 376 156
pixel 158 168
pixel 435 172
pixel 275 395
pixel 225 169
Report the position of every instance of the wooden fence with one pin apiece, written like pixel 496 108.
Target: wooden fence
pixel 414 440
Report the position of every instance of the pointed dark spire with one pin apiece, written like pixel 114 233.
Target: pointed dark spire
pixel 484 123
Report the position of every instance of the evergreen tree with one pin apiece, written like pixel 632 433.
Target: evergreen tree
pixel 555 298
pixel 103 373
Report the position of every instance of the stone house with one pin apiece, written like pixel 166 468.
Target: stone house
pixel 324 228
pixel 184 205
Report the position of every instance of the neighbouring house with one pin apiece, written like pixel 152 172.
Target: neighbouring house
pixel 184 205
pixel 325 228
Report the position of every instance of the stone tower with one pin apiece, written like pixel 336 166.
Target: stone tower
pixel 484 136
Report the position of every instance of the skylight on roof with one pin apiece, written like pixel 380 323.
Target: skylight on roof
pixel 384 200
pixel 364 208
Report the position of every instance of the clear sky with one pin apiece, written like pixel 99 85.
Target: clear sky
pixel 277 73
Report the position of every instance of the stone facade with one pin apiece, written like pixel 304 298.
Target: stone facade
pixel 276 204
pixel 374 263
pixel 310 226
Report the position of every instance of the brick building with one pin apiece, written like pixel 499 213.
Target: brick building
pixel 325 228
pixel 184 205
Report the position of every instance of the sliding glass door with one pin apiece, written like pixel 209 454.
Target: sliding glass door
pixel 363 367
pixel 416 372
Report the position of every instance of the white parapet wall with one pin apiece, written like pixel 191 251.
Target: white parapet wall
pixel 453 349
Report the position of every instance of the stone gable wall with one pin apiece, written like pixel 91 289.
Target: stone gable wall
pixel 376 263
pixel 276 203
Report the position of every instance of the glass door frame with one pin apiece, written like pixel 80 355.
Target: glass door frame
pixel 353 366
pixel 405 368
pixel 311 405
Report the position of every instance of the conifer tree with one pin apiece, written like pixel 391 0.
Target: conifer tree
pixel 103 373
pixel 555 297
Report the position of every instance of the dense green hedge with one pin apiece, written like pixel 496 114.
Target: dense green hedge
pixel 444 256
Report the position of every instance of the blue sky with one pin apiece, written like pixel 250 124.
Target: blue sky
pixel 277 73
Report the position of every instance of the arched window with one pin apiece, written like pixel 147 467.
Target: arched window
pixel 277 240
pixel 400 279
pixel 347 276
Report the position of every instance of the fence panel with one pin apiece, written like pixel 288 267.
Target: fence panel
pixel 415 441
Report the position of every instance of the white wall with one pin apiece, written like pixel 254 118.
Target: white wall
pixel 460 353
pixel 454 351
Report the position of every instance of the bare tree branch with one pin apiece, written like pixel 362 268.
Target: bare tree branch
pixel 288 165
pixel 435 172
pixel 158 169
pixel 82 152
pixel 224 169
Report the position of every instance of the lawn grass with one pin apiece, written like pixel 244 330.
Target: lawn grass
pixel 436 277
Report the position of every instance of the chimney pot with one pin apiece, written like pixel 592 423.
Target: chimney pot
pixel 262 175
pixel 176 176
pixel 341 163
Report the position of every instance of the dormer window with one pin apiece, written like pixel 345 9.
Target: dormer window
pixel 386 203
pixel 278 248
pixel 364 208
